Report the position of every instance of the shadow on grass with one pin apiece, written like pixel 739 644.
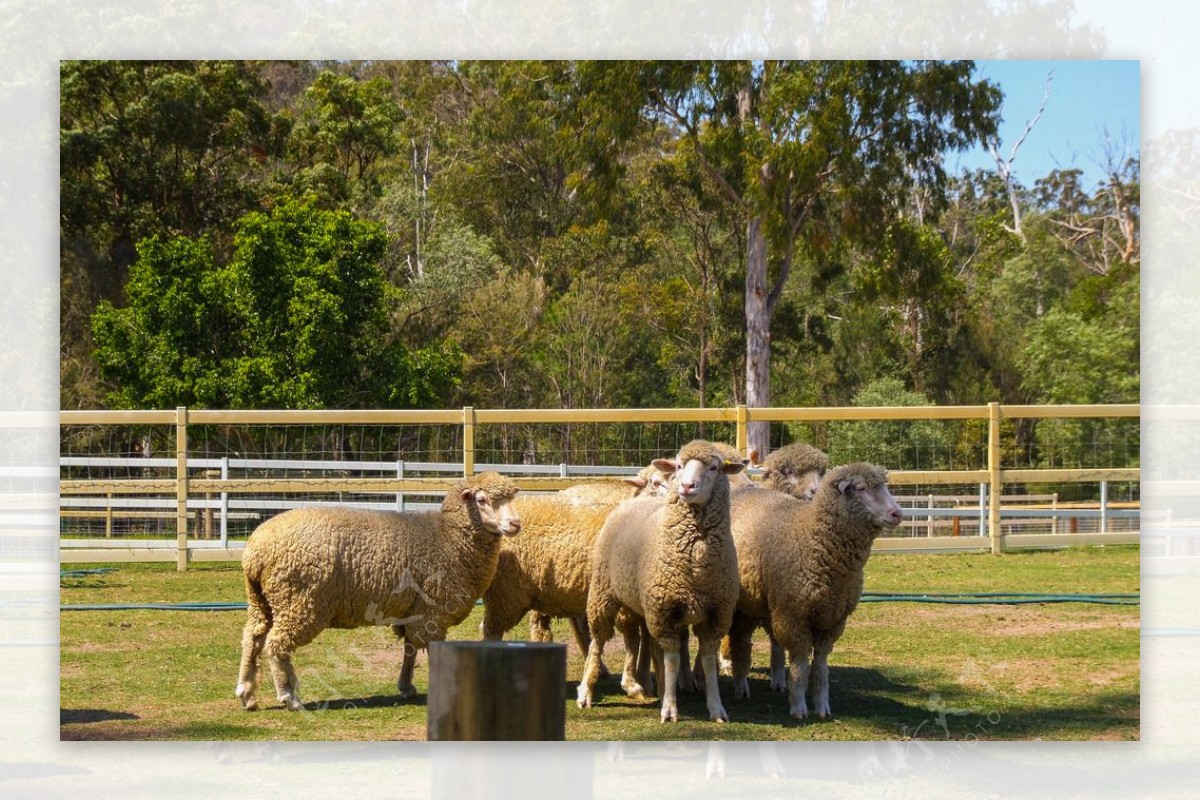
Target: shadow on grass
pixel 66 716
pixel 369 702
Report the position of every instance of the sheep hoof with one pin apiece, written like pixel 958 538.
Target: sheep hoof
pixel 741 688
pixel 726 668
pixel 634 691
pixel 584 701
pixel 246 696
pixel 407 692
pixel 293 703
pixel 669 714
pixel 779 683
pixel 799 712
pixel 719 716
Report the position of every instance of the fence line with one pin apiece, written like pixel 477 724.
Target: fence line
pixel 183 485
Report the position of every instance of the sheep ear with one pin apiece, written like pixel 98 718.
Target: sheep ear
pixel 844 486
pixel 733 466
pixel 667 466
pixel 635 481
pixel 466 493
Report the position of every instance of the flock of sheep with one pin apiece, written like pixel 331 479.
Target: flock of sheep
pixel 691 544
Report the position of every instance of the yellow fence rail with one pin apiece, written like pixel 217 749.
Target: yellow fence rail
pixel 994 474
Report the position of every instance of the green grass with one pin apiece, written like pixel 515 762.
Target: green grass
pixel 929 672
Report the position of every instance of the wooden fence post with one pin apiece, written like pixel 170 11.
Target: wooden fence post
pixel 497 690
pixel 994 488
pixel 741 437
pixel 468 440
pixel 181 489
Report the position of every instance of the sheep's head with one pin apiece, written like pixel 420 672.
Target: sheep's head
pixel 795 469
pixel 864 489
pixel 697 469
pixel 649 481
pixel 491 495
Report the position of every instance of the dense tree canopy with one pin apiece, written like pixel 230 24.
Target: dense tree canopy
pixel 557 233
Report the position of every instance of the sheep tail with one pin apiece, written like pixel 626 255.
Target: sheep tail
pixel 257 607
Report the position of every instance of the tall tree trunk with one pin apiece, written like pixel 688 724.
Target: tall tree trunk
pixel 758 334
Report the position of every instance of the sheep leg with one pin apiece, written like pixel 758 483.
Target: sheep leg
pixel 279 656
pixel 582 638
pixel 591 672
pixel 708 658
pixel 670 679
pixel 688 680
pixel 779 681
pixel 539 629
pixel 740 641
pixel 629 680
pixel 646 660
pixel 253 638
pixel 798 684
pixel 601 614
pixel 404 684
pixel 656 656
pixel 820 685
pixel 822 647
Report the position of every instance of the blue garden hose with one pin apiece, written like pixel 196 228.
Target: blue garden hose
pixel 1000 598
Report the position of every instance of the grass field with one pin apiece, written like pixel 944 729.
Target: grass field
pixel 1065 671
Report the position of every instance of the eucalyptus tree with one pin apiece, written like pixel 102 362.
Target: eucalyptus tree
pixel 808 152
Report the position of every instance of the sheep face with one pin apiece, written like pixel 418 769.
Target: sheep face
pixel 802 485
pixel 873 498
pixel 650 481
pixel 695 478
pixel 497 515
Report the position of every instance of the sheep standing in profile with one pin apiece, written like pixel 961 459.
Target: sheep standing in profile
pixel 801 569
pixel 670 562
pixel 307 570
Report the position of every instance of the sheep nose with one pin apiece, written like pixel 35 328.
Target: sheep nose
pixel 515 525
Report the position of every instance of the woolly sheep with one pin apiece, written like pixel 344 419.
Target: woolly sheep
pixel 548 568
pixel 648 480
pixel 801 569
pixel 670 562
pixel 307 570
pixel 795 469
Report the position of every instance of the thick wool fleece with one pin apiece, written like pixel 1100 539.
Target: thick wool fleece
pixel 307 570
pixel 800 565
pixel 672 564
pixel 797 458
pixel 737 481
pixel 548 567
pixel 667 561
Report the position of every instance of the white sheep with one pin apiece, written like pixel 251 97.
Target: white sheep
pixel 794 469
pixel 548 568
pixel 307 570
pixel 801 570
pixel 670 562
pixel 648 481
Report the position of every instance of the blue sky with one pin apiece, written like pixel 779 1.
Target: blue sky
pixel 1086 99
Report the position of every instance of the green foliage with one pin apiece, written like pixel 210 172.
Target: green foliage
pixel 549 233
pixel 299 317
pixel 920 444
pixel 343 131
